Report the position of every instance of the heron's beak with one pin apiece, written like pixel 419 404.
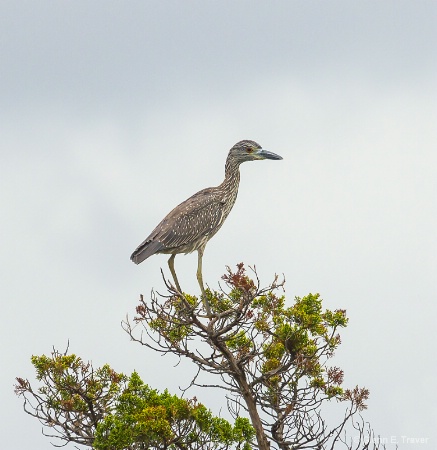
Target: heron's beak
pixel 264 154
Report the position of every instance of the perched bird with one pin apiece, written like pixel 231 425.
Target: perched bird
pixel 195 221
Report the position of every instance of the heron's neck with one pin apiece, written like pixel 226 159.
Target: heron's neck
pixel 232 177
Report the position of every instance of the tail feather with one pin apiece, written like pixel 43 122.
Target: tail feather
pixel 144 250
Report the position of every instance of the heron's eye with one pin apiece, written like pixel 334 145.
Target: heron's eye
pixel 249 150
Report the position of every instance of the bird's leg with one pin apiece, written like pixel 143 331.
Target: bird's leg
pixel 173 273
pixel 200 280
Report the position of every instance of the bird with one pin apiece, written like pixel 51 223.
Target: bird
pixel 190 225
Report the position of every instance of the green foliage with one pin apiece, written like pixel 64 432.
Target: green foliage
pixel 161 420
pixel 239 341
pixel 284 344
pixel 174 332
pixel 70 384
pixel 303 331
pixel 276 332
pixel 109 411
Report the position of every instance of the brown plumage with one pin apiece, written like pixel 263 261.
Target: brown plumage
pixel 195 221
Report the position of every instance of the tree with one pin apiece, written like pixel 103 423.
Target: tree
pixel 270 359
pixel 107 410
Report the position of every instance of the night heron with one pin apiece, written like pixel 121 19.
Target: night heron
pixel 195 221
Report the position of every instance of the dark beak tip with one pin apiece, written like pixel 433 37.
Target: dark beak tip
pixel 271 155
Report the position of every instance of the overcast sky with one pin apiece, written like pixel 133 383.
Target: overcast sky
pixel 112 113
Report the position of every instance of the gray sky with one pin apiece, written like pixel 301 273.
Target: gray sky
pixel 113 112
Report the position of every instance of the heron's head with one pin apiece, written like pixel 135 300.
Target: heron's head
pixel 249 151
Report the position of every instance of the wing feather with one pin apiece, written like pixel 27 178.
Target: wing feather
pixel 194 219
pixel 186 227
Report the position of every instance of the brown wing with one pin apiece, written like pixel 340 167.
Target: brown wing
pixel 185 228
pixel 198 217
